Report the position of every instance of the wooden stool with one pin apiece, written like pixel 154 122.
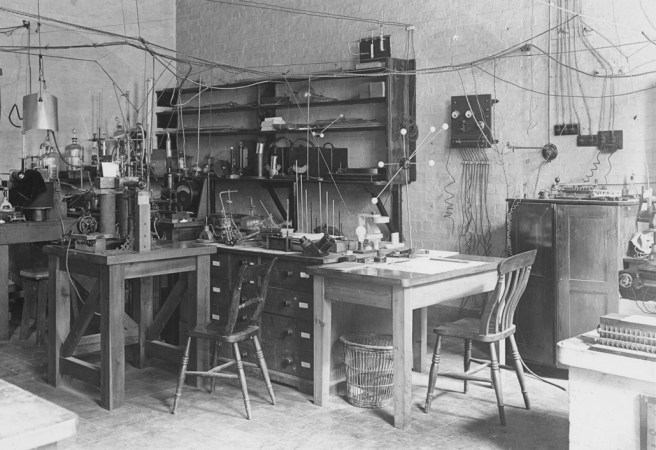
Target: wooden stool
pixel 35 297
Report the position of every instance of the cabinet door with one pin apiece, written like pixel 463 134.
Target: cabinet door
pixel 532 228
pixel 586 266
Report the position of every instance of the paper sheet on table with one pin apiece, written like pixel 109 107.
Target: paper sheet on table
pixel 426 265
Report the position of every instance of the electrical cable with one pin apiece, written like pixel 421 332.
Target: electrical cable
pixel 450 195
pixel 271 7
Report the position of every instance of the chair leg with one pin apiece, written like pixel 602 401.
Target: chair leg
pixel 432 377
pixel 41 320
pixel 263 368
pixel 242 379
pixel 215 361
pixel 30 292
pixel 181 377
pixel 495 373
pixel 467 361
pixel 519 369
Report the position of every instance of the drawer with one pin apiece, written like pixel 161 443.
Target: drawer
pixel 291 275
pixel 219 262
pixel 287 331
pixel 287 360
pixel 289 303
pixel 219 291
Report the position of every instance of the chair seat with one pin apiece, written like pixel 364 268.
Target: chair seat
pixel 468 328
pixel 35 274
pixel 216 330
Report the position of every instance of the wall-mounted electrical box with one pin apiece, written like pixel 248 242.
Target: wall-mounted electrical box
pixel 471 121
pixel 375 48
pixel 610 141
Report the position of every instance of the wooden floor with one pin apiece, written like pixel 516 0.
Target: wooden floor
pixel 204 420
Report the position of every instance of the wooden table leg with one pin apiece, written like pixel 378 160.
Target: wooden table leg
pixel 419 340
pixel 322 343
pixel 143 314
pixel 196 310
pixel 112 349
pixel 4 293
pixel 402 342
pixel 59 315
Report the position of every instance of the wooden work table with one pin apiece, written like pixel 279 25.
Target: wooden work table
pixel 22 233
pixel 405 288
pixel 108 272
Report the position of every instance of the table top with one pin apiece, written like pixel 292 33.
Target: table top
pixel 23 232
pixel 29 421
pixel 421 269
pixel 160 251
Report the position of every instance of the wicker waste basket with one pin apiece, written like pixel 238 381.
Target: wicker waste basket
pixel 369 360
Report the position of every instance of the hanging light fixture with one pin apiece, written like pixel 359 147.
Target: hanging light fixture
pixel 40 109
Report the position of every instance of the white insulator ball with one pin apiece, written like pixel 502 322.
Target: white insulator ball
pixel 404 131
pixel 381 164
pixel 445 126
pixel 374 200
pixel 432 129
pixel 431 163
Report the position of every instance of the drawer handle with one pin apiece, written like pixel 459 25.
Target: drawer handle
pixel 287 273
pixel 245 262
pixel 287 362
pixel 289 332
pixel 287 303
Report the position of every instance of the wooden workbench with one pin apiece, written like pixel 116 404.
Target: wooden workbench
pixel 22 233
pixel 109 271
pixel 406 290
pixel 28 421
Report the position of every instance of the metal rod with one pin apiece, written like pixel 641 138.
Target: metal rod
pixel 320 208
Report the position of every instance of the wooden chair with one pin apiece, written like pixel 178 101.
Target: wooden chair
pixel 494 325
pixel 241 323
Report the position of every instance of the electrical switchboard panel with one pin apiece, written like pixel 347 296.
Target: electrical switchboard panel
pixel 471 121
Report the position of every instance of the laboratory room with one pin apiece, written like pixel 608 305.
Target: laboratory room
pixel 327 225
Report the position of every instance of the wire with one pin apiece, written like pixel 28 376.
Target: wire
pixel 448 213
pixel 595 166
pixel 270 7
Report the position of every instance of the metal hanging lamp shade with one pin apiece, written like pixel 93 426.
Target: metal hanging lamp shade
pixel 40 112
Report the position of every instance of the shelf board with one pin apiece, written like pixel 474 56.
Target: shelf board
pixel 218 109
pixel 218 131
pixel 356 101
pixel 285 181
pixel 335 128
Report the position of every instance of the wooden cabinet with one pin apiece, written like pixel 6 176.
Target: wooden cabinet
pixel 573 282
pixel 286 324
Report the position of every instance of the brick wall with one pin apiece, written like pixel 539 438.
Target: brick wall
pixel 74 81
pixel 455 33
